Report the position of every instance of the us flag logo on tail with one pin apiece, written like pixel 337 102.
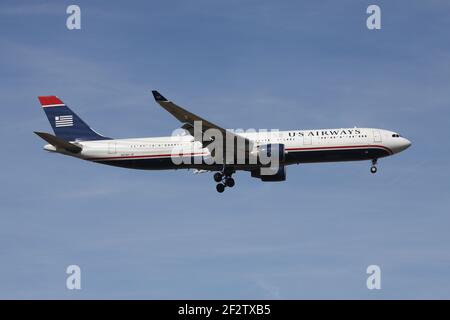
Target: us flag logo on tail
pixel 64 121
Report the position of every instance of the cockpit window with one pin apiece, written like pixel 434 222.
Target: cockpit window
pixel 395 135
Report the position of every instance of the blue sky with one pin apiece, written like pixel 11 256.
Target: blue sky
pixel 241 64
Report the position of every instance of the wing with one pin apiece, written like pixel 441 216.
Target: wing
pixel 190 122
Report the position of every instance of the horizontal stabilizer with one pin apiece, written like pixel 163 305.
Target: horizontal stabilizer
pixel 59 143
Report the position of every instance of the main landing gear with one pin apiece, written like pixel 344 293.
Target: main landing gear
pixel 373 168
pixel 224 178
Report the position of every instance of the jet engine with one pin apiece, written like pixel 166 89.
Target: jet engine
pixel 271 152
pixel 270 174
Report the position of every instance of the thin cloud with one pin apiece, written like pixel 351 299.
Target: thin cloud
pixel 35 9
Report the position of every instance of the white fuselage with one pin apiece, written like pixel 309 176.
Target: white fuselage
pixel 301 146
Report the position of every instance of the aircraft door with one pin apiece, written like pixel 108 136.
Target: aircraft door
pixel 376 136
pixel 307 139
pixel 112 147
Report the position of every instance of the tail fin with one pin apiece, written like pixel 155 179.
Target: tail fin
pixel 65 123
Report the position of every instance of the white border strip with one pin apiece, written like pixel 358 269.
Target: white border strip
pixel 53 105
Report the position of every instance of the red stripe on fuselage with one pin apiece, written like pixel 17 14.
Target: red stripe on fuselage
pixel 168 155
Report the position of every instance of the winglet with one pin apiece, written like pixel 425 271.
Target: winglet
pixel 158 96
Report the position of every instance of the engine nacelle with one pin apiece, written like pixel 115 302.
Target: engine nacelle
pixel 271 154
pixel 276 174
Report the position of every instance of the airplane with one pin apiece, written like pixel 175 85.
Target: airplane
pixel 73 137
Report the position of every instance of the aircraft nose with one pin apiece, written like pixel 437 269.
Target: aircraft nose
pixel 405 144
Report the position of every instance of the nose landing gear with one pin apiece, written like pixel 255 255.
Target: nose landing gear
pixel 224 178
pixel 218 177
pixel 373 168
pixel 220 187
pixel 229 182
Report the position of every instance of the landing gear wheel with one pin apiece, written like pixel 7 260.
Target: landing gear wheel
pixel 220 188
pixel 218 177
pixel 229 182
pixel 373 169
